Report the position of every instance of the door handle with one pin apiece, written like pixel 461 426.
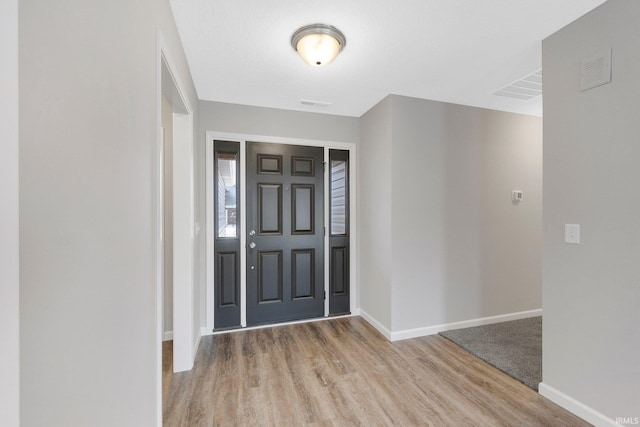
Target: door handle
pixel 252 245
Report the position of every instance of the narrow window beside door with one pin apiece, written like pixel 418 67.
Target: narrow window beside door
pixel 338 197
pixel 226 165
pixel 339 300
pixel 227 234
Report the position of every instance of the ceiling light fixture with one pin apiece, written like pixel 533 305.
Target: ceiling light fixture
pixel 318 44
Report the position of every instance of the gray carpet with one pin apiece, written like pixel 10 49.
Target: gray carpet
pixel 513 347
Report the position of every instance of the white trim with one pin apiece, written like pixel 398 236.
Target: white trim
pixel 432 330
pixel 210 136
pixel 243 234
pixel 204 331
pixel 167 336
pixel 183 287
pixel 375 323
pixel 160 248
pixel 353 232
pixel 158 217
pixel 279 140
pixel 183 243
pixel 327 232
pixel 276 325
pixel 574 406
pixel 208 231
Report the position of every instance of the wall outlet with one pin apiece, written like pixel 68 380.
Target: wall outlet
pixel 572 233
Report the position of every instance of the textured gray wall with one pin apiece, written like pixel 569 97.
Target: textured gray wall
pixel 9 290
pixel 244 119
pixel 461 249
pixel 374 212
pixel 591 151
pixel 88 112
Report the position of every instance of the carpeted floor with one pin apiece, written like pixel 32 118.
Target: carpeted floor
pixel 513 347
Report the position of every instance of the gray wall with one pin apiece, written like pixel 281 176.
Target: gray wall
pixel 461 249
pixel 9 314
pixel 243 119
pixel 591 291
pixel 441 240
pixel 88 112
pixel 374 213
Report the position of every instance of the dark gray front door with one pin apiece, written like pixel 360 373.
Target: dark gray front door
pixel 285 232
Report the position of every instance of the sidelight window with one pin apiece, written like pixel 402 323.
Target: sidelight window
pixel 339 194
pixel 226 165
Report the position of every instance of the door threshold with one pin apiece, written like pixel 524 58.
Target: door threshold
pixel 233 329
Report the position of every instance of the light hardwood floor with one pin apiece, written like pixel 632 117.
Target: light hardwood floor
pixel 343 372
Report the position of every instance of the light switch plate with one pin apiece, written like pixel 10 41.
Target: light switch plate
pixel 517 195
pixel 572 233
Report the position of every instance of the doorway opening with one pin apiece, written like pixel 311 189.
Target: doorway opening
pixel 173 220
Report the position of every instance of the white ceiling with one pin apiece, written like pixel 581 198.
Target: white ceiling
pixel 458 51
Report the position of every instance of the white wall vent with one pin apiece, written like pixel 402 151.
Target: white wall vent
pixel 317 104
pixel 596 70
pixel 524 89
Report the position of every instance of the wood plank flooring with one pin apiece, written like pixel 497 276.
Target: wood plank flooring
pixel 342 372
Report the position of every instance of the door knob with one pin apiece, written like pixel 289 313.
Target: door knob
pixel 252 245
pixel 252 233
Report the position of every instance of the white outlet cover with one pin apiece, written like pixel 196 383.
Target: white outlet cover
pixel 572 233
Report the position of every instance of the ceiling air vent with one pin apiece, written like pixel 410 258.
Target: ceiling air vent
pixel 524 89
pixel 316 104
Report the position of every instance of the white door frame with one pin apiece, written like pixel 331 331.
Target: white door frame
pixel 209 188
pixel 185 342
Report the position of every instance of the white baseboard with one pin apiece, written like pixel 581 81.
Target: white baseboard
pixel 373 322
pixel 578 408
pixel 432 330
pixel 167 336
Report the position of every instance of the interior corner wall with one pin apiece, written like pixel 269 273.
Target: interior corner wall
pixel 88 127
pixel 9 221
pixel 374 214
pixel 592 290
pixel 461 249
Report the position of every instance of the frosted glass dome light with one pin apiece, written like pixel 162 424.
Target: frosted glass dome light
pixel 318 44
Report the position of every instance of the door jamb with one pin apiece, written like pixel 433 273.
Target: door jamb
pixel 185 345
pixel 242 139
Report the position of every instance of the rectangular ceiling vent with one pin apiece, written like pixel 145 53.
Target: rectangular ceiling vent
pixel 524 89
pixel 316 104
